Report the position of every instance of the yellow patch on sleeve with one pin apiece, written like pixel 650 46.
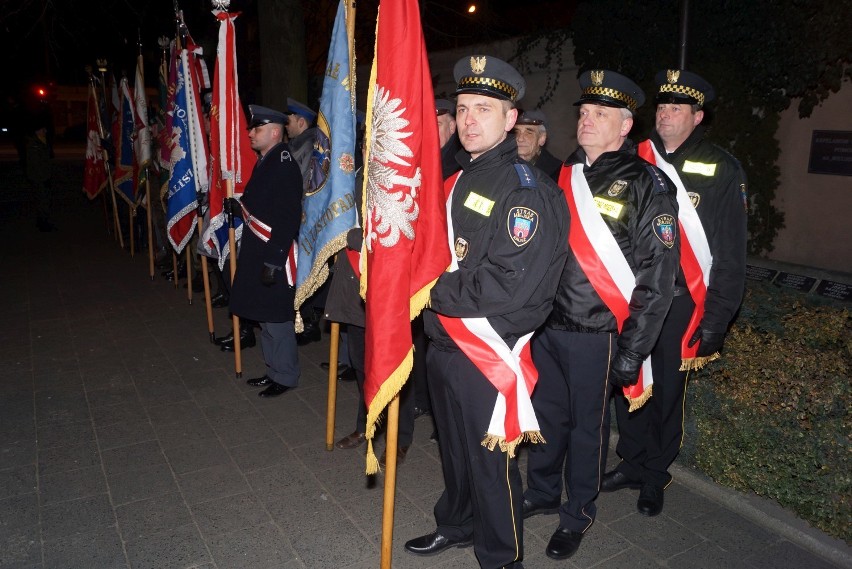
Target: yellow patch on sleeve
pixel 610 208
pixel 701 168
pixel 479 204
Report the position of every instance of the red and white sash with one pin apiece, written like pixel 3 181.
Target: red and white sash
pixel 264 233
pixel 603 263
pixel 695 257
pixel 510 371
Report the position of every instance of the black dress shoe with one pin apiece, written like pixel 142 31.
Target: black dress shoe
pixel 400 456
pixel 220 300
pixel 311 334
pixel 247 340
pixel 419 412
pixel 532 509
pixel 650 501
pixel 563 543
pixel 433 543
pixel 617 480
pixel 259 381
pixel 347 374
pixel 274 390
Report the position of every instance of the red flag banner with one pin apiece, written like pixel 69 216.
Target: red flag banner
pixel 405 230
pixel 94 174
pixel 231 155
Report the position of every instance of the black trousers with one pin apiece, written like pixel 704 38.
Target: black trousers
pixel 483 489
pixel 649 438
pixel 405 432
pixel 571 402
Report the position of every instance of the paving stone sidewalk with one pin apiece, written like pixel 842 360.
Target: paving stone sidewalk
pixel 127 442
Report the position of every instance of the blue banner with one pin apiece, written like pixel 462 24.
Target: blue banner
pixel 182 182
pixel 329 205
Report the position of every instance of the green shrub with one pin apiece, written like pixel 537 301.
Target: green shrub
pixel 773 415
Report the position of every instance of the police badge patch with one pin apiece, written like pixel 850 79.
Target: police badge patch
pixel 616 188
pixel 461 248
pixel 522 224
pixel 664 229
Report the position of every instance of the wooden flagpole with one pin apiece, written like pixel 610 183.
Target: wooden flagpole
pixel 331 408
pixel 189 273
pixel 205 277
pixel 104 154
pixel 131 214
pixel 148 206
pixel 174 268
pixel 390 482
pixel 232 244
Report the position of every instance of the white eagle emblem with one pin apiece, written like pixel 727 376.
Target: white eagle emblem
pixel 391 197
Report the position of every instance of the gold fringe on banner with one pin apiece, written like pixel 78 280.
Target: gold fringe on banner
pixel 688 364
pixel 637 402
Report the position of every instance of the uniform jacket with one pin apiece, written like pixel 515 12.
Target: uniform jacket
pixel 503 276
pixel 716 184
pixel 548 163
pixel 645 193
pixel 302 147
pixel 273 195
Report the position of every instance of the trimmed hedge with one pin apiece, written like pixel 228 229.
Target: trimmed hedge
pixel 773 415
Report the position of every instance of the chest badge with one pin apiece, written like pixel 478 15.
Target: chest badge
pixel 461 248
pixel 616 188
pixel 522 224
pixel 664 229
pixel 694 198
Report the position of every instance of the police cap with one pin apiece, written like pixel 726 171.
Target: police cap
pixel 262 115
pixel 610 89
pixel 294 107
pixel 533 117
pixel 677 86
pixel 489 76
pixel 443 107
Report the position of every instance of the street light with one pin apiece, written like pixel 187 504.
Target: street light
pixel 471 9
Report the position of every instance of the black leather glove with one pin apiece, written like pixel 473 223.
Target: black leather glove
pixel 711 342
pixel 267 275
pixel 624 368
pixel 355 238
pixel 232 207
pixel 201 198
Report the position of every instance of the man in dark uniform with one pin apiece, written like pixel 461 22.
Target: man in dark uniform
pixel 613 295
pixel 508 229
pixel 708 291
pixel 531 135
pixel 263 288
pixel 447 137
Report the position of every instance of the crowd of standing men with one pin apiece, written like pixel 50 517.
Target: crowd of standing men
pixel 613 273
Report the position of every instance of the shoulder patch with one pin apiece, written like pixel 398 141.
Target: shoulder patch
pixel 660 186
pixel 526 176
pixel 664 229
pixel 522 224
pixel 285 156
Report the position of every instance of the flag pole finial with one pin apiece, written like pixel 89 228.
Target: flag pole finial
pixel 221 4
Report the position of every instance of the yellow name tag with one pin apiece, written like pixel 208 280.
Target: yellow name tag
pixel 606 207
pixel 478 204
pixel 699 168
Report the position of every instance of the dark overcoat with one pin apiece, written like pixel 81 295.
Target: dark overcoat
pixel 273 196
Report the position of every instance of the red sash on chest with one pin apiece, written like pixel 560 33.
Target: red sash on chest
pixel 695 257
pixel 603 263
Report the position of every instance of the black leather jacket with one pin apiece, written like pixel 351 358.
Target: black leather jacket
pixel 716 184
pixel 508 269
pixel 645 193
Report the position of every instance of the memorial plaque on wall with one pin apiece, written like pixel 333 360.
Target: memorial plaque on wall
pixel 831 152
pixel 834 289
pixel 760 273
pixel 801 283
